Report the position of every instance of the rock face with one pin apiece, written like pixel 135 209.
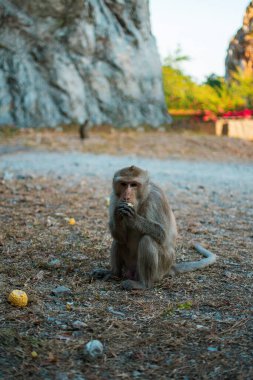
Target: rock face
pixel 240 51
pixel 63 61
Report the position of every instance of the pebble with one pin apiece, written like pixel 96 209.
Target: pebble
pixel 136 373
pixel 119 313
pixel 94 349
pixel 77 325
pixel 61 290
pixel 61 376
pixel 201 327
pixel 78 377
pixel 55 263
pixel 212 349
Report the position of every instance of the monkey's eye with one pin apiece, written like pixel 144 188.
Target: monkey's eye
pixel 133 184
pixel 123 184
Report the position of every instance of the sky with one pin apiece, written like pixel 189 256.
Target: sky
pixel 202 28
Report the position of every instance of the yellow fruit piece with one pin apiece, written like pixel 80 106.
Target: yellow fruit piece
pixel 18 298
pixel 69 306
pixel 72 221
pixel 34 354
pixel 107 201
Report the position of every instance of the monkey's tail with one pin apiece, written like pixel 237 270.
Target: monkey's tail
pixel 191 266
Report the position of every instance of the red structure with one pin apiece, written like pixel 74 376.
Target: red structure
pixel 244 114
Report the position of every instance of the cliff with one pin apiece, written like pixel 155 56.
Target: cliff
pixel 64 61
pixel 240 50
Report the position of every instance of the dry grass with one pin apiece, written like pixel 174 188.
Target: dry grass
pixel 194 326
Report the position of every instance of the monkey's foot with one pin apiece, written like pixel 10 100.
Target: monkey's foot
pixel 100 274
pixel 132 285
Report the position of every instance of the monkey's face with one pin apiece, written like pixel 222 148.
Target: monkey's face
pixel 127 191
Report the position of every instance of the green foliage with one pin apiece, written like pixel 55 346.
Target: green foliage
pixel 214 81
pixel 241 86
pixel 172 308
pixel 185 306
pixel 215 94
pixel 177 57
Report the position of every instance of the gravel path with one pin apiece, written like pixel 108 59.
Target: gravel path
pixel 201 318
pixel 183 174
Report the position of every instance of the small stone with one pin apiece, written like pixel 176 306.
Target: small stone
pixel 77 376
pixel 153 366
pixel 77 325
pixel 61 376
pixel 61 290
pixel 212 349
pixel 54 263
pixel 136 373
pixel 94 349
pixel 78 257
pixel 119 313
pixel 51 221
pixel 201 327
pixel 51 319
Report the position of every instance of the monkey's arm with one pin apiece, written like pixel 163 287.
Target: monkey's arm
pixel 119 234
pixel 143 225
pixel 148 227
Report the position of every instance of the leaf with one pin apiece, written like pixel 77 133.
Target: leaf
pixel 185 306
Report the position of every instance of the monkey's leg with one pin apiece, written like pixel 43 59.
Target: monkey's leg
pixel 147 265
pixel 117 253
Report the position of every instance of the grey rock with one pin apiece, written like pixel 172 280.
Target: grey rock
pixel 61 290
pixel 240 49
pixel 77 376
pixel 93 349
pixel 63 62
pixel 115 312
pixel 212 349
pixel 61 376
pixel 54 263
pixel 136 374
pixel 77 325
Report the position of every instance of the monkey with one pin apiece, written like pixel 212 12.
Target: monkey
pixel 144 232
pixel 83 130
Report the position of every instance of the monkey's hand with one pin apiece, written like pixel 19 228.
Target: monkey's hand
pixel 127 211
pixel 122 209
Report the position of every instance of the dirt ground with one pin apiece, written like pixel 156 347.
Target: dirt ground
pixel 155 144
pixel 194 326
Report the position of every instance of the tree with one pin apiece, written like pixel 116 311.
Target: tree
pixel 174 59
